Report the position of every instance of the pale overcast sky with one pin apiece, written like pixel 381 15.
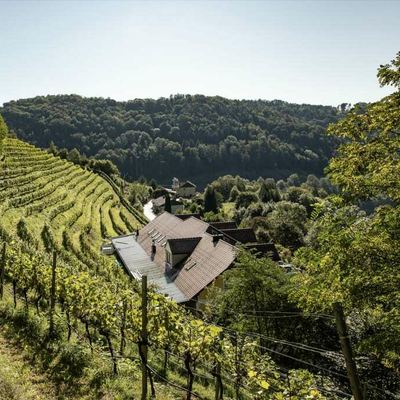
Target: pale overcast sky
pixel 318 52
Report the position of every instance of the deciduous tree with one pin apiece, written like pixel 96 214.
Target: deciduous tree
pixel 354 258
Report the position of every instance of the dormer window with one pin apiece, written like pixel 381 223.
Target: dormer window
pixel 177 250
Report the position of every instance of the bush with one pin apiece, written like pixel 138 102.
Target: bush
pixel 245 199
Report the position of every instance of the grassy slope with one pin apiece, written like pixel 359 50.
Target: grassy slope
pixel 19 379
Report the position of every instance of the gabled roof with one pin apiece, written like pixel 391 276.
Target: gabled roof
pixel 183 245
pixel 137 263
pixel 245 235
pixel 264 249
pixel 186 216
pixel 160 202
pixel 224 225
pixel 208 259
pixel 187 184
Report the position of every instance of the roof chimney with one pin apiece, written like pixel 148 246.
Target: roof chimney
pixel 153 250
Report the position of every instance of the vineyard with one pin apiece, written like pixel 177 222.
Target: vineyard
pixel 79 206
pixel 54 216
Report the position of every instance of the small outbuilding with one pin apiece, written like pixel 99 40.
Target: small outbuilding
pixel 159 205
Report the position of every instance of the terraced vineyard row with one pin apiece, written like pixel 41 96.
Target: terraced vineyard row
pixel 79 206
pixel 29 178
pixel 10 173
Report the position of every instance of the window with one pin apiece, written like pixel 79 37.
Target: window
pixel 168 257
pixel 190 266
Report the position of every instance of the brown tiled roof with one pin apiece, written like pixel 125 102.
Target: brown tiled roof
pixel 186 216
pixel 187 184
pixel 183 245
pixel 245 235
pixel 160 202
pixel 224 225
pixel 207 261
pixel 264 249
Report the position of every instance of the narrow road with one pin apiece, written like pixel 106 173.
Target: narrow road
pixel 148 212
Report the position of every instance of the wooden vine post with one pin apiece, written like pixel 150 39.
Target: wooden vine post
pixel 347 352
pixel 53 293
pixel 2 270
pixel 143 344
pixel 218 382
pixel 123 326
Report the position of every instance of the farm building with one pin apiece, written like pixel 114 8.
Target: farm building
pixel 182 256
pixel 159 205
pixel 183 189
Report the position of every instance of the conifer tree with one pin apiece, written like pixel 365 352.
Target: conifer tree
pixel 168 207
pixel 210 200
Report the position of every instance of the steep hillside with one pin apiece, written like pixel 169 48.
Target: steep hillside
pixel 193 137
pixel 79 206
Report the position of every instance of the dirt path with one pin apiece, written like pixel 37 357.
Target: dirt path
pixel 20 380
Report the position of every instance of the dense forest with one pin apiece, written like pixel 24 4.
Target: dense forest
pixel 194 137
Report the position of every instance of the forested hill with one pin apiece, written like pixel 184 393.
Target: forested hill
pixel 194 137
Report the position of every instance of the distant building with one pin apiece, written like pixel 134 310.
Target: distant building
pixel 183 257
pixel 183 189
pixel 159 205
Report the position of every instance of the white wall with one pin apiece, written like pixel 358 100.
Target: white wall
pixel 186 191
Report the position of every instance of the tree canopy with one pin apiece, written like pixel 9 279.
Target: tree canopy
pixel 193 137
pixel 210 200
pixel 355 258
